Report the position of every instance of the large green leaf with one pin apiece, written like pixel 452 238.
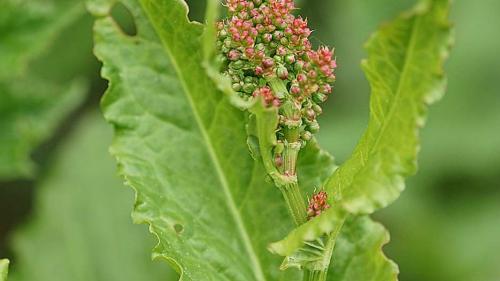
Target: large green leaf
pixel 182 146
pixel 81 229
pixel 39 85
pixel 4 269
pixel 405 69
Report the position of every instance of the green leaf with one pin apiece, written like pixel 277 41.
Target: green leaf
pixel 28 27
pixel 38 88
pixel 261 130
pixel 31 111
pixel 182 146
pixel 4 269
pixel 405 71
pixel 330 221
pixel 80 229
pixel 358 253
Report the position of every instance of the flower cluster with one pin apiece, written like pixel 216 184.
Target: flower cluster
pixel 317 204
pixel 262 42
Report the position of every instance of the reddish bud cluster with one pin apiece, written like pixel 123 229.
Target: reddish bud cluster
pixel 262 40
pixel 317 204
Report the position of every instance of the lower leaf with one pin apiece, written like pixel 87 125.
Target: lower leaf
pixel 358 253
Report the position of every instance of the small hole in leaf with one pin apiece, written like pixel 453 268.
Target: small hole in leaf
pixel 124 19
pixel 179 228
pixel 197 10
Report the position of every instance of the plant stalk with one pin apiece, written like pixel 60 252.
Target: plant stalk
pixel 315 275
pixel 295 202
pixel 323 265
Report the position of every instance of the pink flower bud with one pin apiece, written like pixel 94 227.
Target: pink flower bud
pixel 282 73
pixel 267 63
pixel 326 89
pixel 250 52
pixel 295 90
pixel 301 78
pixel 259 71
pixel 234 55
pixel 267 37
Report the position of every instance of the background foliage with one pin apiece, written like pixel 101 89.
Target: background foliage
pixel 445 226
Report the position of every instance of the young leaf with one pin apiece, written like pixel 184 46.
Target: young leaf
pixel 4 269
pixel 330 221
pixel 182 146
pixel 405 69
pixel 81 229
pixel 32 102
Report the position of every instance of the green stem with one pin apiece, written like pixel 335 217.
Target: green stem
pixel 295 202
pixel 315 275
pixel 291 192
pixel 320 271
pixel 290 155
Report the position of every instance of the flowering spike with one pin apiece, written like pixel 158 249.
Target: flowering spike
pixel 266 52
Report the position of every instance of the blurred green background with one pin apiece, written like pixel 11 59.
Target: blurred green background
pixel 445 226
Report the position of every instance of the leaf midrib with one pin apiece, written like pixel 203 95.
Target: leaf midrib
pixel 258 272
pixel 408 56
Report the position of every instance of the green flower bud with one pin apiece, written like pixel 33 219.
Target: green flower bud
pixel 249 88
pixel 236 87
pixel 319 97
pixel 290 59
pixel 306 135
pixel 237 64
pixel 317 109
pixel 223 33
pixel 313 127
pixel 278 149
pixel 299 66
pixel 282 72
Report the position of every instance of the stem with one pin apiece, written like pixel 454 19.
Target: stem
pixel 295 202
pixel 291 192
pixel 290 155
pixel 321 272
pixel 315 275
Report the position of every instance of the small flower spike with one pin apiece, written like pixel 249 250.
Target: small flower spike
pixel 262 43
pixel 317 204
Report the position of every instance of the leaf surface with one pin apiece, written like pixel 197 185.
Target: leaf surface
pixel 81 229
pixel 358 253
pixel 38 86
